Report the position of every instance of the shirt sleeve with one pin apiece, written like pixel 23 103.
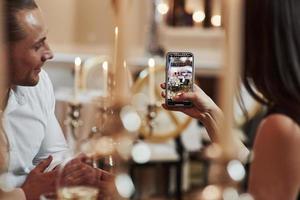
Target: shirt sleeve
pixel 54 142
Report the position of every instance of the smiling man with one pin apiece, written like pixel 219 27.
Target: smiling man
pixel 32 134
pixel 28 47
pixel 31 128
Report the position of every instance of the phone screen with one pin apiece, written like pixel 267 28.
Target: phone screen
pixel 179 76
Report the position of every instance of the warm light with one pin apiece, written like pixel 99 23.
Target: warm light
pixel 216 20
pixel 141 153
pixel 130 119
pixel 214 151
pixel 211 192
pixel 162 8
pixel 124 185
pixel 230 194
pixel 236 170
pixel 246 196
pixel 105 146
pixel 140 102
pixel 124 146
pixel 77 61
pixel 116 30
pixel 151 62
pixel 198 16
pixel 105 65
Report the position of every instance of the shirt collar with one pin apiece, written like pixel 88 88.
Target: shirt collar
pixel 16 99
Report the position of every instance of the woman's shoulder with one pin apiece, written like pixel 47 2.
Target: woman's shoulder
pixel 280 124
pixel 278 129
pixel 276 157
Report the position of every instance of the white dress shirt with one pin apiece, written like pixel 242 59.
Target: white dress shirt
pixel 32 130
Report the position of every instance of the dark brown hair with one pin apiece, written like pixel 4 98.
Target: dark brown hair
pixel 13 31
pixel 272 54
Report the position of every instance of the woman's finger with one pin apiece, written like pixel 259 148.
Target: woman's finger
pixel 172 108
pixel 188 96
pixel 163 85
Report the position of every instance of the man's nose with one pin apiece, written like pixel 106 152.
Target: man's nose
pixel 47 55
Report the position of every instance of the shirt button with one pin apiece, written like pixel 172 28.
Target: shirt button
pixel 21 100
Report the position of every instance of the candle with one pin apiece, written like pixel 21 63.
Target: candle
pixel 197 8
pixel 105 77
pixel 82 76
pixel 151 64
pixel 116 49
pixel 216 19
pixel 77 67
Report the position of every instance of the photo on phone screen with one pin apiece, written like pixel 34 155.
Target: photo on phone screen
pixel 179 76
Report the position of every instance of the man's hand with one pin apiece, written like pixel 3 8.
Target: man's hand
pixel 38 182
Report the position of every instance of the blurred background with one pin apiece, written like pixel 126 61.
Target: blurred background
pixel 163 151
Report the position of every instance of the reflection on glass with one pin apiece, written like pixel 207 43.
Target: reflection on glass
pixel 78 193
pixel 49 196
pixel 77 180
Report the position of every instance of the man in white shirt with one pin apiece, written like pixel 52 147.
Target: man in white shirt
pixel 31 128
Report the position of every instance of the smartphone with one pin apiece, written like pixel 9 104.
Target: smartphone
pixel 179 77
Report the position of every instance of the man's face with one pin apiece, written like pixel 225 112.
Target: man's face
pixel 27 56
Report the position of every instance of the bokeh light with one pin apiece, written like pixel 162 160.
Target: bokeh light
pixel 162 8
pixel 236 170
pixel 246 196
pixel 216 20
pixel 130 119
pixel 211 192
pixel 230 194
pixel 124 185
pixel 198 16
pixel 105 146
pixel 141 152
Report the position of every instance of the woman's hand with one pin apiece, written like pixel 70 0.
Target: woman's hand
pixel 39 182
pixel 106 185
pixel 204 109
pixel 79 172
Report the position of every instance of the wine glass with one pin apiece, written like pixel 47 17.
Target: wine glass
pixel 78 180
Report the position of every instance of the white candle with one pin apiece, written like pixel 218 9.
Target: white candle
pixel 151 64
pixel 105 77
pixel 216 19
pixel 116 49
pixel 77 67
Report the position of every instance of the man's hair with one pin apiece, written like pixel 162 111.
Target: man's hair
pixel 14 32
pixel 272 53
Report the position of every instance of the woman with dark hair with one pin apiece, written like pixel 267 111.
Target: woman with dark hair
pixel 272 76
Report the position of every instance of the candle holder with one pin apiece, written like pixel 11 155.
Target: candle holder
pixel 75 115
pixel 151 115
pixel 74 122
pixel 103 111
